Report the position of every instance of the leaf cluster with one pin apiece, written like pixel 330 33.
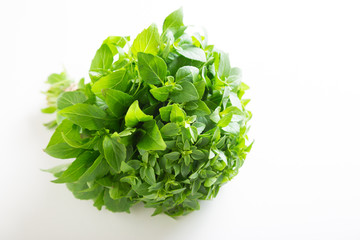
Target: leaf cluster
pixel 162 122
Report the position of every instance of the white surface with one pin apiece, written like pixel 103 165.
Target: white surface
pixel 301 59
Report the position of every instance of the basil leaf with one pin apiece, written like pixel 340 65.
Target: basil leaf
pixel 117 101
pixel 152 139
pixel 152 68
pixel 174 21
pixel 134 115
pixel 187 73
pixel 116 80
pixel 115 152
pixel 78 167
pixel 147 41
pixel 186 94
pixel 85 115
pixel 191 52
pixel 67 99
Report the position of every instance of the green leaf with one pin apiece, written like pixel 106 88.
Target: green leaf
pixel 82 190
pixel 174 21
pixel 165 113
pixel 119 205
pixel 89 144
pixel 97 170
pixel 126 167
pixel 119 190
pixel 48 110
pixel 117 101
pixel 187 73
pixel 78 167
pixel 210 181
pixel 170 129
pixel 186 94
pixel 115 152
pixel 134 115
pixel 177 114
pixel 101 62
pixel 85 115
pixel 114 42
pixel 224 121
pixel 99 201
pixel 56 78
pixel 57 169
pixel 150 176
pixel 200 87
pixel 201 110
pixel 116 80
pixel 152 139
pixel 162 93
pixel 224 66
pixel 152 68
pixel 147 41
pixel 57 147
pixel 67 99
pixel 191 52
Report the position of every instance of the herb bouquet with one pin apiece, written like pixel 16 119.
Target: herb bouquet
pixel 162 122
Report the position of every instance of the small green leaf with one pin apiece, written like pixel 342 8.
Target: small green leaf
pixel 117 101
pixel 186 94
pixel 191 52
pixel 225 120
pixel 97 170
pixel 174 21
pixel 170 129
pixel 78 167
pixel 187 73
pixel 177 114
pixel 119 205
pixel 165 113
pixel 85 115
pixel 134 115
pixel 48 110
pixel 152 139
pixel 67 99
pixel 210 181
pixel 101 62
pixel 162 93
pixel 152 68
pixel 116 80
pixel 57 147
pixel 150 176
pixel 115 152
pixel 147 41
pixel 201 110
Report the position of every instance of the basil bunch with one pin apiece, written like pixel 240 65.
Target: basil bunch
pixel 162 122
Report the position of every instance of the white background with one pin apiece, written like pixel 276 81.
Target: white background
pixel 302 61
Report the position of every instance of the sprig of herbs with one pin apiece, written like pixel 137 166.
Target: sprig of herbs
pixel 162 122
